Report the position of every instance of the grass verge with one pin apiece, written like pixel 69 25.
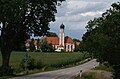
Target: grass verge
pixel 94 75
pixel 51 61
pixel 100 72
pixel 103 67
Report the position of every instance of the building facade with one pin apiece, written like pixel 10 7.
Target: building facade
pixel 61 43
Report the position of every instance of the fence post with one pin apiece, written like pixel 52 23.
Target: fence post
pixel 80 73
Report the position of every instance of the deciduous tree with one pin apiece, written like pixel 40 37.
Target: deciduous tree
pixel 21 18
pixel 102 37
pixel 52 34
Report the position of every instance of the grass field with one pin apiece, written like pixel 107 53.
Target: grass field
pixel 46 58
pixel 95 74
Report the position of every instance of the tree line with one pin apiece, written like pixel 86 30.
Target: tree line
pixel 102 38
pixel 41 46
pixel 21 45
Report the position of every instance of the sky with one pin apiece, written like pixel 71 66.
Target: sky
pixel 75 14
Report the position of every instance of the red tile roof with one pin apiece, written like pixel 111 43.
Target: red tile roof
pixel 53 40
pixel 68 40
pixel 35 42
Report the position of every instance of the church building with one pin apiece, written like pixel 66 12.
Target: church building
pixel 62 43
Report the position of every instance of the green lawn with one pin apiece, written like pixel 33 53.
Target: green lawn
pixel 46 58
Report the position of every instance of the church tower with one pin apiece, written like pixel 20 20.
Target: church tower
pixel 61 42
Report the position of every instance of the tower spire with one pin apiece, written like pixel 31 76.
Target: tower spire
pixel 62 26
pixel 62 34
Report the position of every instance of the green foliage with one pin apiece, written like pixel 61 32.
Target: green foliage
pixel 30 64
pixel 69 61
pixel 116 72
pixel 50 48
pixel 20 47
pixel 77 47
pixel 51 34
pixel 6 71
pixel 46 61
pixel 94 75
pixel 88 77
pixel 66 62
pixel 32 46
pixel 22 65
pixel 103 35
pixel 46 58
pixel 22 20
pixel 104 67
pixel 3 77
pixel 45 47
pixel 39 64
pixel 76 40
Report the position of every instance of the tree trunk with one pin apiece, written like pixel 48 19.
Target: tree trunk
pixel 6 47
pixel 5 58
pixel 5 70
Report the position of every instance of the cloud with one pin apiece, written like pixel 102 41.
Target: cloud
pixel 76 13
pixel 75 7
pixel 91 13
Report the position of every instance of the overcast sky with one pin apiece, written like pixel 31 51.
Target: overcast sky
pixel 75 14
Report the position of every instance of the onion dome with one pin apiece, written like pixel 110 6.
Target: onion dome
pixel 62 26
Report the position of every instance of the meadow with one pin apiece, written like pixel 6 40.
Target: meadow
pixel 48 59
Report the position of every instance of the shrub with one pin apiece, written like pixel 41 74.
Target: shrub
pixel 88 77
pixel 6 71
pixel 22 64
pixel 116 72
pixel 30 64
pixel 39 65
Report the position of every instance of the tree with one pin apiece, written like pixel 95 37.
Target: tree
pixel 52 34
pixel 19 21
pixel 38 45
pixel 102 38
pixel 45 47
pixel 76 40
pixel 77 47
pixel 32 46
pixel 50 48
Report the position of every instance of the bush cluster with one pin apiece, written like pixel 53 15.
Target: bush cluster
pixel 30 64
